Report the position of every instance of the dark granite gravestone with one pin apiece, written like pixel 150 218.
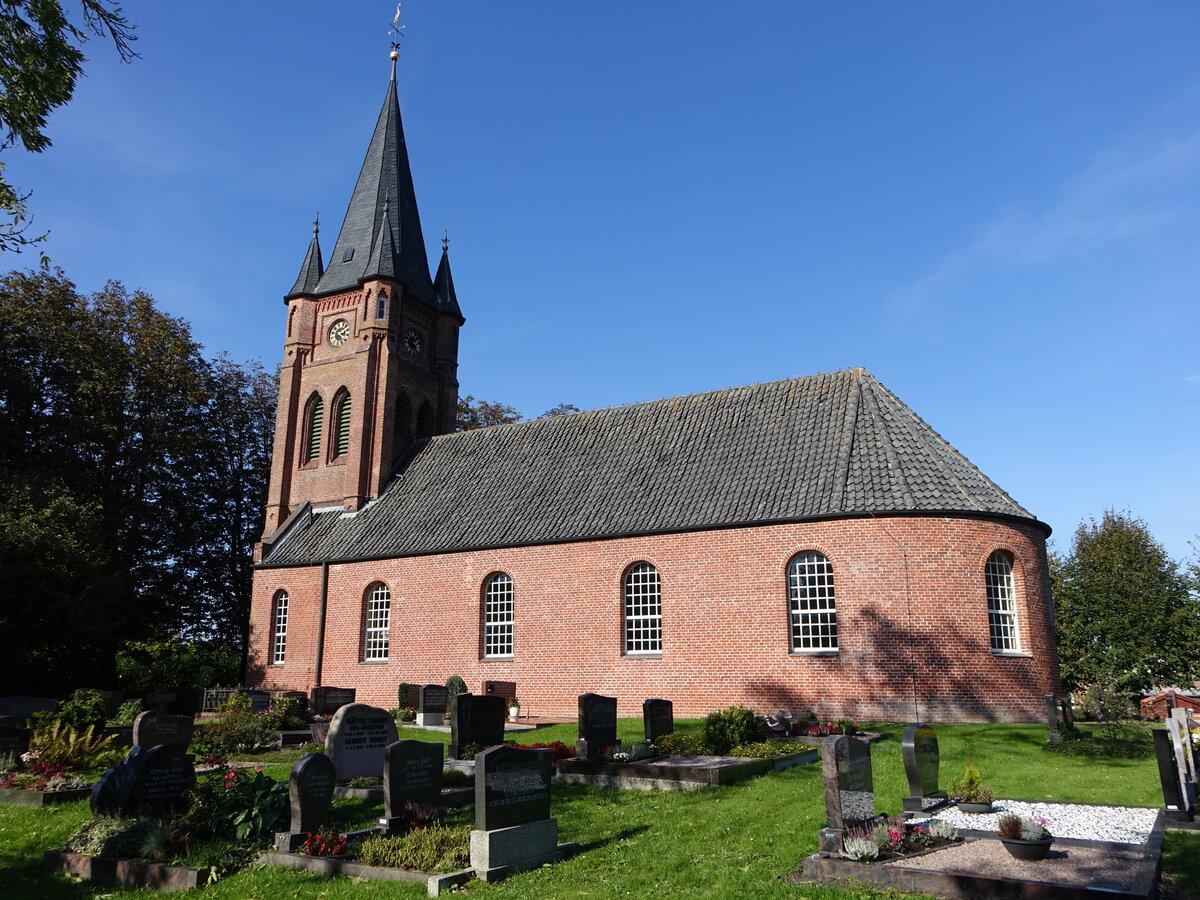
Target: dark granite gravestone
pixel 658 718
pixel 23 707
pixel 412 775
pixel 328 700
pixel 512 787
pixel 431 704
pixel 149 781
pixel 150 729
pixel 13 740
pixel 920 747
pixel 357 737
pixel 849 788
pixel 1051 721
pixel 1168 776
pixel 161 698
pixel 476 719
pixel 597 726
pixel 505 689
pixel 259 700
pixel 310 790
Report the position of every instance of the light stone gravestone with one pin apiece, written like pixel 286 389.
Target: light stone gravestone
pixel 919 744
pixel 513 829
pixel 431 704
pixel 151 729
pixel 849 789
pixel 357 737
pixel 658 718
pixel 412 775
pixel 476 719
pixel 310 793
pixel 597 726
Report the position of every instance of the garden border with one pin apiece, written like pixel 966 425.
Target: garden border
pixel 323 865
pixel 126 872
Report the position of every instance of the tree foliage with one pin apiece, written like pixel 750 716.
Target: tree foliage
pixel 474 413
pixel 132 475
pixel 1123 612
pixel 40 60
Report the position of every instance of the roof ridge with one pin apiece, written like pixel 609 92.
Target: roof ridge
pixel 889 448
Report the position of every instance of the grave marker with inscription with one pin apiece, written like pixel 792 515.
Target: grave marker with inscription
pixel 597 726
pixel 476 719
pixel 150 729
pixel 161 698
pixel 357 737
pixel 259 700
pixel 658 718
pixel 431 704
pixel 150 780
pixel 328 700
pixel 23 706
pixel 13 740
pixel 921 757
pixel 412 775
pixel 849 788
pixel 310 793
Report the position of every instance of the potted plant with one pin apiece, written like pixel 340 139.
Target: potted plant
pixel 1025 837
pixel 972 795
pixel 514 709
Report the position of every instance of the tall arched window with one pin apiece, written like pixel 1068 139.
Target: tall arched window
pixel 811 603
pixel 498 616
pixel 279 622
pixel 377 621
pixel 643 609
pixel 425 420
pixel 341 424
pixel 1002 608
pixel 314 422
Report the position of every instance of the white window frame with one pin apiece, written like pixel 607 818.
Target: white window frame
pixel 812 606
pixel 1002 604
pixel 642 590
pixel 377 620
pixel 499 616
pixel 279 622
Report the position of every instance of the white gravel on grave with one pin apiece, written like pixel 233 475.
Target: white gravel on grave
pixel 1118 824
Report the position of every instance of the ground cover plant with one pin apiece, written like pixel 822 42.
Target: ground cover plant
pixel 726 842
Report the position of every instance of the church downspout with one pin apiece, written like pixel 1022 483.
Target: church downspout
pixel 321 624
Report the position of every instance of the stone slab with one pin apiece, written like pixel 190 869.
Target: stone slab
pixel 434 883
pixel 502 852
pixel 18 797
pixel 667 773
pixel 134 873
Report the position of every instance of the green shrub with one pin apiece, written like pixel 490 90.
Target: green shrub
pixel 124 838
pixel 433 849
pixel 454 687
pixel 126 713
pixel 75 750
pixel 769 749
pixel 454 777
pixel 680 744
pixel 81 709
pixel 729 727
pixel 406 695
pixel 239 730
pixel 142 665
pixel 970 788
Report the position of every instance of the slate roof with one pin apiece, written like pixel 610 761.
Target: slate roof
pixel 832 445
pixel 310 269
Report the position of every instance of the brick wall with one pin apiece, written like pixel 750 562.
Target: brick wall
pixel 911 611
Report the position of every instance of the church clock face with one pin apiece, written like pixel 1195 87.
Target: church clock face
pixel 413 343
pixel 339 332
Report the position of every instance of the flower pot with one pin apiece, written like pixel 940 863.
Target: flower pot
pixel 964 806
pixel 514 713
pixel 1027 850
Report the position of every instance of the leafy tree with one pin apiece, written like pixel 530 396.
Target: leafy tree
pixel 1122 609
pixel 39 62
pixel 562 409
pixel 474 413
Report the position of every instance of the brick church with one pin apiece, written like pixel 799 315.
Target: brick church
pixel 808 544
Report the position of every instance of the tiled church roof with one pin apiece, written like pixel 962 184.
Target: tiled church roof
pixel 838 444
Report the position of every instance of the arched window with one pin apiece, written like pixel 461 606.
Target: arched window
pixel 425 420
pixel 377 621
pixel 1002 608
pixel 381 305
pixel 643 609
pixel 314 422
pixel 279 620
pixel 498 616
pixel 341 425
pixel 403 422
pixel 810 601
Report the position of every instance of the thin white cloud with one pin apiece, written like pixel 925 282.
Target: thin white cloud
pixel 1192 379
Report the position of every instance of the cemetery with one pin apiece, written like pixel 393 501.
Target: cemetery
pixel 459 802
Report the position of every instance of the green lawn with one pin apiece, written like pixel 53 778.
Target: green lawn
pixel 727 842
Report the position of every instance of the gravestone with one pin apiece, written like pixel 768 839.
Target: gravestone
pixel 1051 721
pixel 259 700
pixel 919 744
pixel 431 704
pixel 1181 737
pixel 513 829
pixel 23 707
pixel 149 781
pixel 357 737
pixel 328 700
pixel 597 726
pixel 150 729
pixel 849 789
pixel 658 718
pixel 1178 798
pixel 310 792
pixel 505 689
pixel 476 719
pixel 160 699
pixel 412 775
pixel 14 740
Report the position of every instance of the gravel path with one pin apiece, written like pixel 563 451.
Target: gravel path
pixel 1118 824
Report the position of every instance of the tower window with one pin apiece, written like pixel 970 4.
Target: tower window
pixel 1002 610
pixel 315 420
pixel 381 305
pixel 341 436
pixel 811 602
pixel 498 616
pixel 643 609
pixel 377 620
pixel 348 254
pixel 279 623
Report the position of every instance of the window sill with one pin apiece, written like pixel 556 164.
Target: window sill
pixel 657 655
pixel 800 654
pixel 373 662
pixel 509 658
pixel 1015 654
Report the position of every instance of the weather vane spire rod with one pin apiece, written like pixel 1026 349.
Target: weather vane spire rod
pixel 396 32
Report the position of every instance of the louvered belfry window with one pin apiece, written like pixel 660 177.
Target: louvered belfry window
pixel 341 438
pixel 316 422
pixel 1002 610
pixel 643 609
pixel 811 602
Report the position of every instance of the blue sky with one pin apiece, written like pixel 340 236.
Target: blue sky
pixel 992 207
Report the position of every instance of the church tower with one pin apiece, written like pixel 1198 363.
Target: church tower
pixel 371 347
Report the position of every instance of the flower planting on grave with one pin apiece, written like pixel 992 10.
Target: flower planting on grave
pixel 883 842
pixel 322 843
pixel 558 750
pixel 970 788
pixel 1023 828
pixel 435 849
pixel 239 730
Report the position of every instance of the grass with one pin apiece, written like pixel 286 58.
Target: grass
pixel 726 842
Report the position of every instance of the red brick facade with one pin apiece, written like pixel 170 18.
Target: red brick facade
pixel 911 611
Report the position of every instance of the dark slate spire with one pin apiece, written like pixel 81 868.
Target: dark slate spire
pixel 310 271
pixel 385 176
pixel 443 284
pixel 382 263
